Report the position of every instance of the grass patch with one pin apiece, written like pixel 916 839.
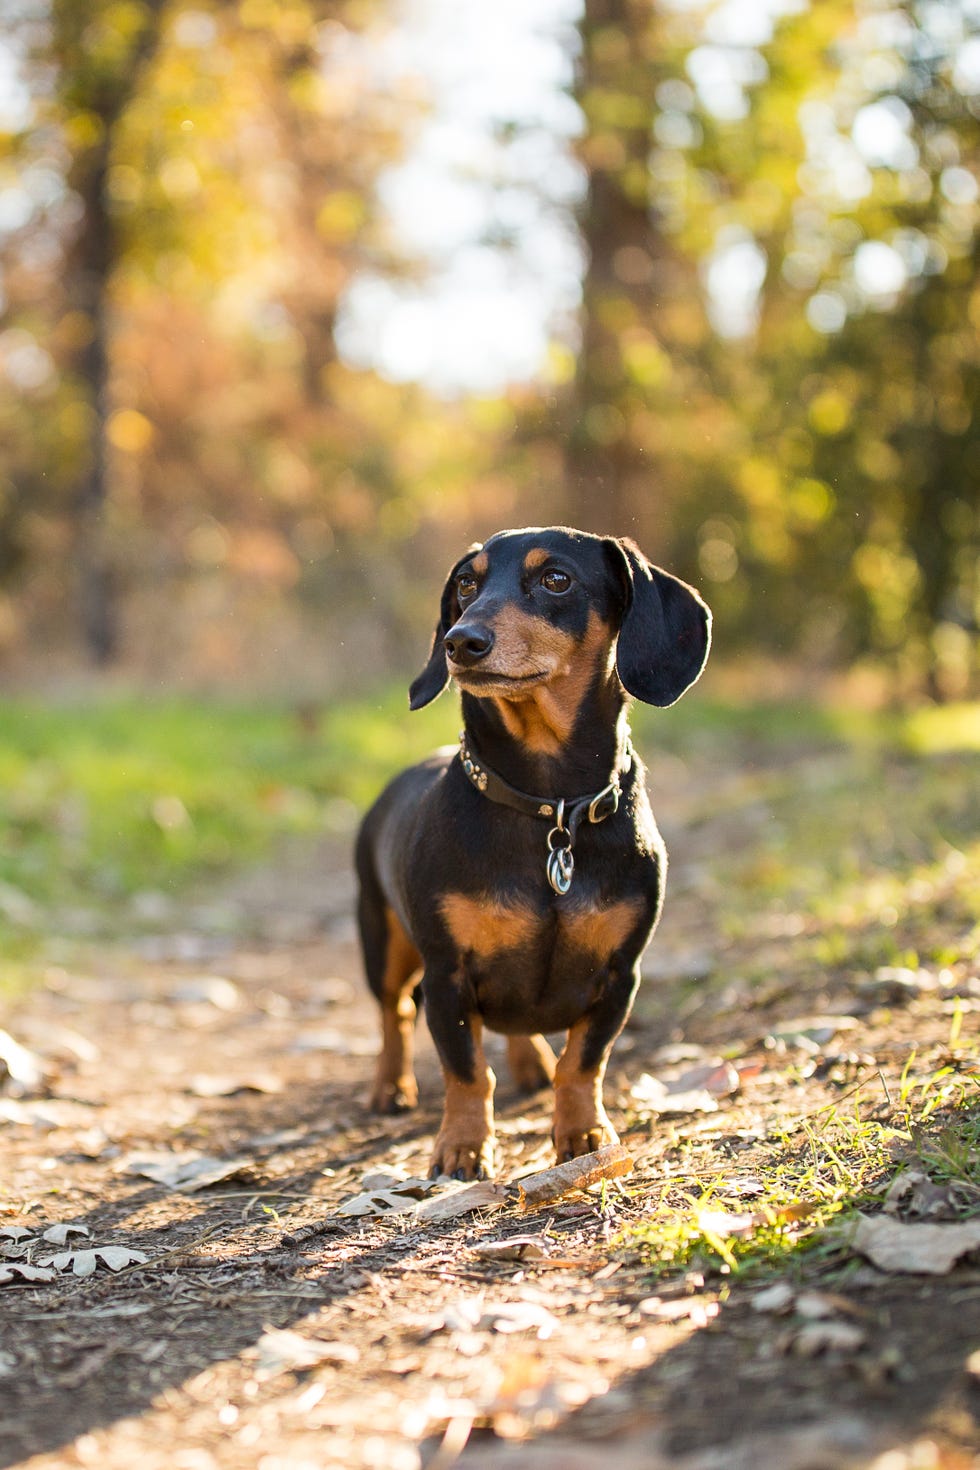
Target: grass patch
pixel 783 1211
pixel 101 800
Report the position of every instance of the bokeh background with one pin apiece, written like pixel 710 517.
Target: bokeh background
pixel 297 297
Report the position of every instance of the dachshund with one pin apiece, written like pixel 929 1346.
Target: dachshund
pixel 517 879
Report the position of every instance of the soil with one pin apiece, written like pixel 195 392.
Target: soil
pixel 239 1029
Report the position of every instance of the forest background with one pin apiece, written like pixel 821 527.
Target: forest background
pixel 299 298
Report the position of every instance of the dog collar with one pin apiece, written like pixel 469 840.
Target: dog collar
pixel 566 813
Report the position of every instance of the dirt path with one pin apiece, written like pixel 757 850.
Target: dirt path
pixel 243 1033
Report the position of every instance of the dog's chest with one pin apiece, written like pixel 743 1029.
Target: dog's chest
pixel 537 963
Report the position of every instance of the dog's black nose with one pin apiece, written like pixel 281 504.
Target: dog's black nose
pixel 467 643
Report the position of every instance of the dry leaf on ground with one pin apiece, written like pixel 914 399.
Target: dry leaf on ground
pixel 281 1351
pixel 653 1096
pixel 827 1337
pixel 58 1234
pixel 810 1034
pixel 85 1262
pixel 184 1172
pixel 384 1193
pixel 776 1299
pixel 516 1248
pixel 204 1085
pixel 915 1249
pixel 913 1195
pixel 20 1070
pixel 483 1194
pixel 22 1271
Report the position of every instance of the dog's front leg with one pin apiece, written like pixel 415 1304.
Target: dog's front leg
pixel 581 1124
pixel 464 1143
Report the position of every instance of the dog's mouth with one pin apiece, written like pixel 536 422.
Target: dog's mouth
pixel 491 681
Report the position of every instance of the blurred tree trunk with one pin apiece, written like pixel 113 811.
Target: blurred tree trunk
pixel 607 473
pixel 98 94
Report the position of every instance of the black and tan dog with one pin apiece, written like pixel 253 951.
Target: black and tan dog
pixel 519 879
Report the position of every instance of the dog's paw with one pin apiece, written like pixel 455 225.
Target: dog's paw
pixel 581 1126
pixel 531 1062
pixel 394 1097
pixel 460 1157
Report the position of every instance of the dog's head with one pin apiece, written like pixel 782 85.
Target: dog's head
pixel 532 605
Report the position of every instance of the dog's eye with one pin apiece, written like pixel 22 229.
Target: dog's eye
pixel 465 586
pixel 555 581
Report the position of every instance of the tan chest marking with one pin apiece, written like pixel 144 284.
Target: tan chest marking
pixel 486 925
pixel 602 931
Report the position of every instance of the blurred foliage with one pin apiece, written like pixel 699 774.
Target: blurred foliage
pixel 774 388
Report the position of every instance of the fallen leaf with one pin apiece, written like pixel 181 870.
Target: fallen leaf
pixel 655 1096
pixel 516 1248
pixel 916 1249
pixel 719 1078
pixel 48 1036
pixel 912 1194
pixel 776 1299
pixel 391 1179
pixel 722 1223
pixel 212 990
pixel 24 1069
pixel 827 1337
pixel 397 1197
pixel 118 1256
pixel 698 1310
pixel 509 1317
pixel 205 1086
pixel 280 1350
pixel 746 1188
pixel 483 1194
pixel 84 1262
pixel 429 1200
pixel 184 1172
pixel 45 1113
pixel 810 1034
pixel 20 1270
pixel 14 1232
pixel 58 1234
pixel 796 1210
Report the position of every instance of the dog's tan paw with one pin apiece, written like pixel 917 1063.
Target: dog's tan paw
pixel 390 1097
pixel 531 1062
pixel 461 1157
pixel 581 1126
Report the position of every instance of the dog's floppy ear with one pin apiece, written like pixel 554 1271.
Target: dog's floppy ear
pixel 435 676
pixel 666 629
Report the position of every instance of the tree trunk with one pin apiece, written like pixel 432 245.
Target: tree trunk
pixel 91 263
pixel 606 472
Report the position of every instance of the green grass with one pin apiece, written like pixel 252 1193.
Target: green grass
pixel 102 799
pixel 814 1177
